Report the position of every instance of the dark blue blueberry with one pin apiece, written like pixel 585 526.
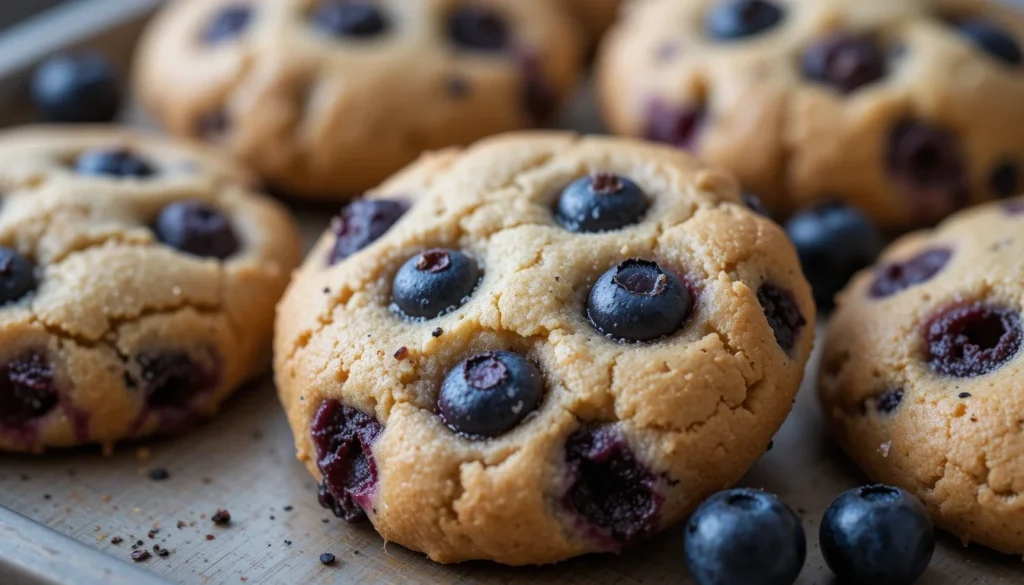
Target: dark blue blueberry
pixel 638 301
pixel 229 22
pixel 344 439
pixel 834 243
pixel 782 313
pixel 1005 179
pixel 489 394
pixel 196 228
pixel 478 28
pixel 345 18
pixel 877 534
pixel 928 166
pixel 113 162
pixel 745 536
pixel 898 276
pixel 17 276
pixel 361 223
pixel 736 19
pixel 432 283
pixel 992 39
pixel 601 202
pixel 844 61
pixel 973 339
pixel 28 391
pixel 77 88
pixel 754 203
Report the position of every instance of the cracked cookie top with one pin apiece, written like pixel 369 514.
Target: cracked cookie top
pixel 923 370
pixel 137 284
pixel 486 380
pixel 326 98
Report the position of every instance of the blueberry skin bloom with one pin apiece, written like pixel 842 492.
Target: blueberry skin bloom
pixel 877 535
pixel 600 203
pixel 489 394
pixel 638 301
pixel 77 88
pixel 745 537
pixel 433 283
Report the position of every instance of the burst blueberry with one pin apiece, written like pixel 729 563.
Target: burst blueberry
pixel 77 88
pixel 737 19
pixel 782 313
pixel 344 438
pixel 172 380
pixel 896 277
pixel 601 202
pixel 17 276
pixel 928 167
pixel 973 339
pixel 846 62
pixel 638 301
pixel 196 228
pixel 435 282
pixel 489 394
pixel 28 391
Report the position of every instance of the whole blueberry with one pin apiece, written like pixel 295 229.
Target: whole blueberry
pixel 736 19
pixel 430 284
pixel 77 88
pixel 638 301
pixel 17 276
pixel 490 393
pixel 992 39
pixel 601 202
pixel 355 18
pixel 877 535
pixel 113 162
pixel 228 23
pixel 478 28
pixel 744 536
pixel 361 223
pixel 196 228
pixel 834 242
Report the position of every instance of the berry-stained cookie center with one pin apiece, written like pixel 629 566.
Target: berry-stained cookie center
pixel 114 162
pixel 783 315
pixel 344 438
pixel 489 394
pixel 638 301
pixel 350 18
pixel 899 276
pixel 28 391
pixel 601 202
pixel 227 23
pixel 928 167
pixel 973 339
pixel 361 223
pixel 737 19
pixel 846 62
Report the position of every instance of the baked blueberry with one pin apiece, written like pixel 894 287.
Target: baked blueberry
pixel 898 276
pixel 601 202
pixel 478 28
pixel 361 223
pixel 638 301
pixel 613 494
pixel 745 536
pixel 344 439
pixel 877 534
pixel 846 62
pixel 350 18
pixel 782 313
pixel 17 276
pixel 489 394
pixel 196 228
pixel 675 125
pixel 834 242
pixel 433 283
pixel 992 39
pixel 113 162
pixel 28 391
pixel 173 380
pixel 929 168
pixel 737 19
pixel 77 88
pixel 1005 179
pixel 228 23
pixel 972 339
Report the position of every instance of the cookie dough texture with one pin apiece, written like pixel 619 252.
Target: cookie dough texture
pixel 117 317
pixel 326 117
pixel 697 408
pixel 796 142
pixel 956 443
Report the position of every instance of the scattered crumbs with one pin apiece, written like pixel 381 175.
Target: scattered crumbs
pixel 244 579
pixel 105 498
pixel 24 478
pixel 136 510
pixel 355 552
pixel 272 518
pixel 207 480
pixel 327 559
pixel 324 520
pixel 210 537
pixel 116 540
pixel 181 524
pixel 964 395
pixel 327 290
pixel 287 543
pixel 138 542
pixel 152 533
pixel 96 528
pixel 140 555
pixel 159 474
pixel 884 448
pixel 557 279
pixel 401 352
pixel 192 523
pixel 202 516
pixel 770 445
pixel 974 419
pixel 801 511
pixel 288 508
pixel 46 496
pixel 221 517
pixel 143 454
pixel 437 332
pixel 160 551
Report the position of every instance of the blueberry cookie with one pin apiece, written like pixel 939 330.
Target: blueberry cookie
pixel 922 377
pixel 908 109
pixel 326 98
pixel 137 285
pixel 561 347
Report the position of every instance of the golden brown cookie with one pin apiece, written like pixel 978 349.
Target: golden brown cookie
pixel 137 284
pixel 561 347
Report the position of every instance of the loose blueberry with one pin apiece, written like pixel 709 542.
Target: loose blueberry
pixel 434 282
pixel 743 536
pixel 489 394
pixel 350 18
pixel 1005 180
pixel 754 203
pixel 77 88
pixel 973 339
pixel 196 228
pixel 113 162
pixel 17 276
pixel 478 28
pixel 601 202
pixel 228 23
pixel 173 380
pixel 344 439
pixel 678 126
pixel 638 301
pixel 877 534
pixel 889 401
pixel 783 315
pixel 737 19
pixel 845 62
pixel 928 166
pixel 834 242
pixel 899 276
pixel 361 223
pixel 992 39
pixel 28 391
pixel 611 492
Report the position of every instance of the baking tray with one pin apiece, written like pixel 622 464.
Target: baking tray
pixel 243 461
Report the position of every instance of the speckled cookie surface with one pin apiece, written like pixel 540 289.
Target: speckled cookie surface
pixel 909 109
pixel 922 377
pixel 506 426
pixel 328 98
pixel 138 279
